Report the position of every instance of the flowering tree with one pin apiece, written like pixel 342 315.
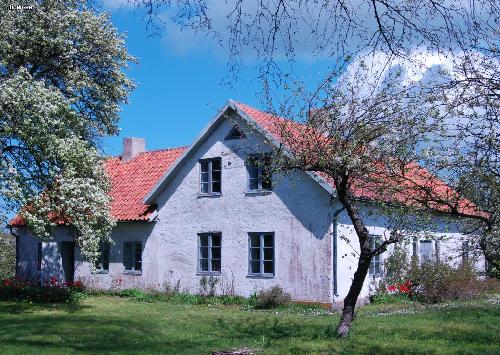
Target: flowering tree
pixel 61 84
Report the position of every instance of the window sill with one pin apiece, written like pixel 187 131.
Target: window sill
pixel 218 194
pixel 132 272
pixel 258 192
pixel 260 276
pixel 207 273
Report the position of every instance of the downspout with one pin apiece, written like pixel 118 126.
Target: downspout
pixel 334 252
pixel 17 248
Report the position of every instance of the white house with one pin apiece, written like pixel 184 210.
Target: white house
pixel 209 209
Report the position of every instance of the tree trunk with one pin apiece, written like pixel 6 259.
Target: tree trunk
pixel 362 268
pixel 352 296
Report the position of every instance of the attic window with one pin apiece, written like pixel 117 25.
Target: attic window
pixel 235 133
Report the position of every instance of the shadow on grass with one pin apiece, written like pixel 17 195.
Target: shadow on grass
pixel 447 331
pixel 112 327
pixel 94 334
pixel 25 307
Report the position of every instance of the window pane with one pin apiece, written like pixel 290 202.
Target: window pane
pixel 255 267
pixel 215 240
pixel 253 184
pixel 269 267
pixel 216 187
pixel 215 175
pixel 426 250
pixel 253 171
pixel 127 256
pixel 254 240
pixel 266 173
pixel 204 240
pixel 204 166
pixel 372 269
pixel 216 252
pixel 216 265
pixel 268 240
pixel 204 252
pixel 267 182
pixel 138 256
pixel 203 264
pixel 268 254
pixel 254 254
pixel 204 177
pixel 216 164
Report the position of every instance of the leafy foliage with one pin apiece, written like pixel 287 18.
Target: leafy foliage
pixel 61 87
pixel 270 298
pixel 7 256
pixel 437 282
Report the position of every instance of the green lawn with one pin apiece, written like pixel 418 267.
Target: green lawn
pixel 118 325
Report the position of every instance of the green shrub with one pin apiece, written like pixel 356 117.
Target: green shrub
pixel 386 298
pixel 434 282
pixel 136 294
pixel 396 265
pixel 271 298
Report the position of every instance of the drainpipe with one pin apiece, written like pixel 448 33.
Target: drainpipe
pixel 334 252
pixel 17 247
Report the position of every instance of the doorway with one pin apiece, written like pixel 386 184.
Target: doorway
pixel 68 260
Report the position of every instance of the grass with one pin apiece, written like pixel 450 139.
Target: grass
pixel 107 325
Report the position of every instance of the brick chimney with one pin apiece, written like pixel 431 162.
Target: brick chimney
pixel 132 147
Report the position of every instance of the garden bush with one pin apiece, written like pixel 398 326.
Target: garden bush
pixel 270 298
pixel 54 291
pixel 434 282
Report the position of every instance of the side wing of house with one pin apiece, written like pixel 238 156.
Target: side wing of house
pixel 440 239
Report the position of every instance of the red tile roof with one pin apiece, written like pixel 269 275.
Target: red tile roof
pixel 418 187
pixel 131 181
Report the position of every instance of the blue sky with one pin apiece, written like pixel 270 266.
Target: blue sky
pixel 179 86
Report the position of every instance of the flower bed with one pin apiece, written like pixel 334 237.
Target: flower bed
pixel 52 291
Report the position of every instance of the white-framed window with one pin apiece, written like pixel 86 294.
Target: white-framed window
pixel 261 254
pixel 425 250
pixel 132 256
pixel 375 262
pixel 209 253
pixel 259 173
pixel 102 262
pixel 210 176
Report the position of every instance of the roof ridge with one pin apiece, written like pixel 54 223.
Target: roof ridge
pixel 150 151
